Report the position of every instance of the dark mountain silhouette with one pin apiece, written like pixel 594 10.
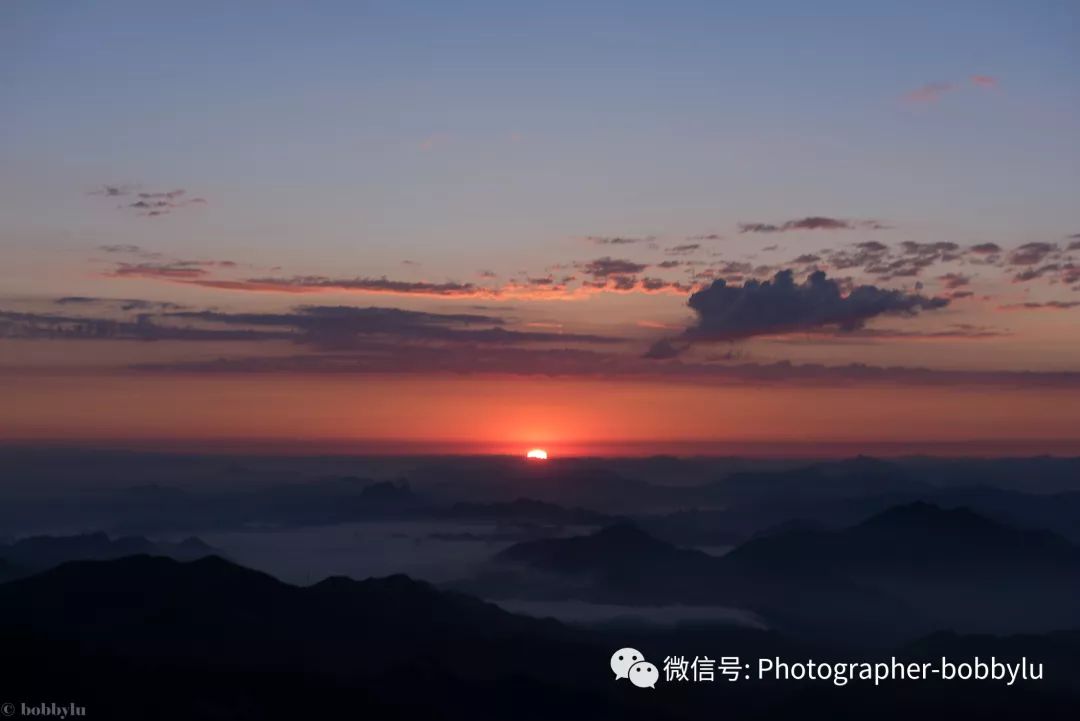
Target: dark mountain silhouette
pixel 222 641
pixel 144 637
pixel 155 604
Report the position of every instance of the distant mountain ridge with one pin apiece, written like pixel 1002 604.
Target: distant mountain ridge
pixel 911 567
pixel 36 553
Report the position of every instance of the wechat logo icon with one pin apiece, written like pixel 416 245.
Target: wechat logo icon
pixel 630 663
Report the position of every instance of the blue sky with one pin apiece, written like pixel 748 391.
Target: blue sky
pixel 453 160
pixel 488 126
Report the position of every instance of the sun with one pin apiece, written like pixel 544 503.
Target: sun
pixel 538 454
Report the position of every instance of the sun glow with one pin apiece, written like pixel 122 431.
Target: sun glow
pixel 538 454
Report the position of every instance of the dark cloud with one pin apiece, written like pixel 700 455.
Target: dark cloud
pixel 322 327
pixel 386 357
pixel 656 285
pixel 111 191
pixel 958 331
pixel 618 239
pixel 124 304
pixel 173 269
pixel 705 236
pixel 151 203
pixel 906 260
pixel 144 328
pixel 178 269
pixel 782 306
pixel 121 248
pixel 1049 305
pixel 318 283
pixel 606 267
pixel 1031 253
pixel 340 327
pixel 604 274
pixel 941 250
pixel 985 248
pixel 1034 273
pixel 663 349
pixel 813 222
pixel 953 281
pixel 807 258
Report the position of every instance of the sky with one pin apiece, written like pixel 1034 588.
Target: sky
pixel 492 225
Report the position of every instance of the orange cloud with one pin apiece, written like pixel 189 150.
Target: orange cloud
pixel 929 93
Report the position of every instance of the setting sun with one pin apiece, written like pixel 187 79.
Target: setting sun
pixel 537 454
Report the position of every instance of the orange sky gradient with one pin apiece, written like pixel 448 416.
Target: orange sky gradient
pixel 502 415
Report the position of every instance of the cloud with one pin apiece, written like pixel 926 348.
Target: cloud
pixel 656 285
pixel 15 325
pixel 344 327
pixel 813 222
pixel 174 269
pixel 321 327
pixel 782 306
pixel 121 248
pixel 151 203
pixel 382 356
pixel 663 349
pixel 606 267
pixel 124 304
pixel 705 236
pixel 111 191
pixel 683 249
pixel 618 239
pixel 1049 305
pixel 318 283
pixel 929 93
pixel 953 281
pixel 958 331
pixel 932 92
pixel 1032 273
pixel 1031 253
pixel 604 275
pixel 907 259
pixel 433 141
